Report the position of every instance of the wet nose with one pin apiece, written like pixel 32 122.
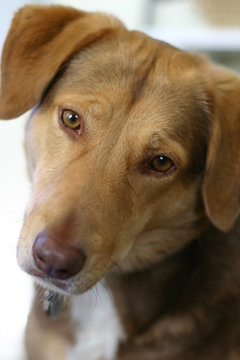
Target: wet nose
pixel 55 259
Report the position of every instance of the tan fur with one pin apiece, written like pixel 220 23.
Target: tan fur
pixel 168 237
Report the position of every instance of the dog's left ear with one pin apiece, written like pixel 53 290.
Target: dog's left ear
pixel 40 40
pixel 221 185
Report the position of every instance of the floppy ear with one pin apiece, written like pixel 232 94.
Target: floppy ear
pixel 40 40
pixel 221 185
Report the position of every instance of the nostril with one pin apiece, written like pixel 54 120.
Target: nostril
pixel 55 259
pixel 39 259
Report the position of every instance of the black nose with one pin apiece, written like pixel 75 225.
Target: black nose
pixel 55 259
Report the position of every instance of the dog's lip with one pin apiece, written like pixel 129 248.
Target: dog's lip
pixel 49 282
pixel 59 284
pixel 38 275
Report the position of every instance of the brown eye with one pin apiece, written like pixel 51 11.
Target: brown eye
pixel 162 164
pixel 70 119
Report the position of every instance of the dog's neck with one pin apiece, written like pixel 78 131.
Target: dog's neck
pixel 143 296
pixel 179 283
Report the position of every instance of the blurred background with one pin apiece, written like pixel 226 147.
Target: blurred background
pixel 209 26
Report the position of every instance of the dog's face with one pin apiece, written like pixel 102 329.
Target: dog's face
pixel 122 175
pixel 124 148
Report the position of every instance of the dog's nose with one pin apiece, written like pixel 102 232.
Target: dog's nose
pixel 55 259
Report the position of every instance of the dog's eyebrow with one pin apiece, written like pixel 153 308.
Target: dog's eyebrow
pixel 138 86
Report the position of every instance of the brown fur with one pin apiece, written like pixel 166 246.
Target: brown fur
pixel 171 239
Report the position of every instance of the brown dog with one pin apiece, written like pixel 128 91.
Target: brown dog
pixel 134 155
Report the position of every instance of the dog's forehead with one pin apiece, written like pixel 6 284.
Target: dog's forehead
pixel 134 81
pixel 131 68
pixel 132 57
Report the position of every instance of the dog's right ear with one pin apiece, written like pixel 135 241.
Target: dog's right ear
pixel 221 184
pixel 40 40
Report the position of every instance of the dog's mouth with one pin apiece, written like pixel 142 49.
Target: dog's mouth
pixel 64 287
pixel 58 284
pixel 49 282
pixel 67 287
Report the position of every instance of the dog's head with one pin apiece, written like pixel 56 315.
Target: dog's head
pixel 133 145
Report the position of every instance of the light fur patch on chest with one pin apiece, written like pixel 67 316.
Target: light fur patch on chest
pixel 99 330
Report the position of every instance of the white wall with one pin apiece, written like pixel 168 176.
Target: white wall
pixel 15 292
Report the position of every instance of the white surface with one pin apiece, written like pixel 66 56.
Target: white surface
pixel 15 286
pixel 205 39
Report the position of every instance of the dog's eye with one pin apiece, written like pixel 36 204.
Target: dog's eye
pixel 162 164
pixel 70 119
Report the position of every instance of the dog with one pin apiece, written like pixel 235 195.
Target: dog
pixel 132 228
